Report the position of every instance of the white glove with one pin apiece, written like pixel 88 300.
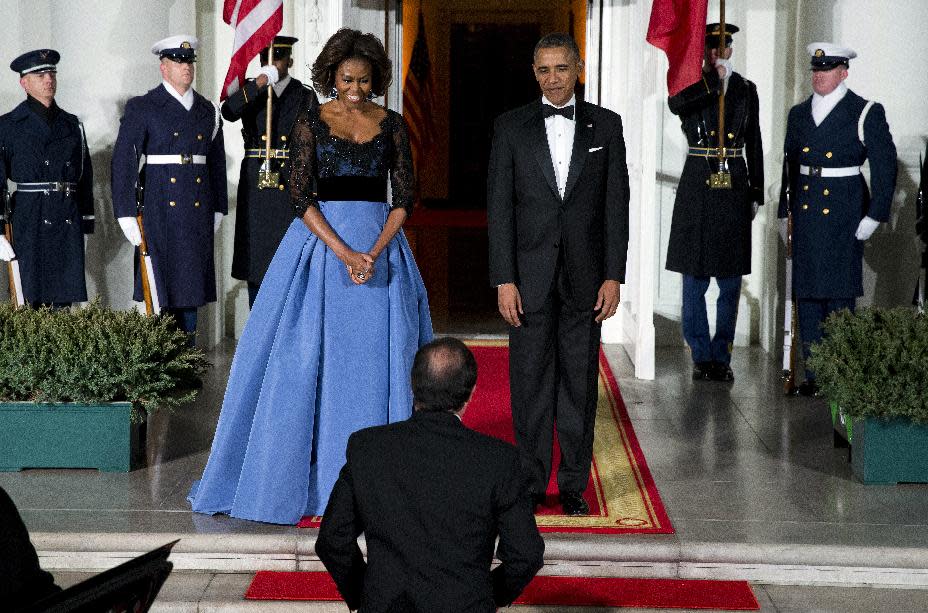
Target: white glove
pixel 865 228
pixel 130 227
pixel 217 221
pixel 270 71
pixel 783 229
pixel 6 249
pixel 727 65
pixel 755 206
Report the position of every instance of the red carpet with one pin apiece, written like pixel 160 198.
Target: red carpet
pixel 547 591
pixel 621 493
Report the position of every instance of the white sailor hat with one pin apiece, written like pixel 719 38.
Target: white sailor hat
pixel 825 56
pixel 180 48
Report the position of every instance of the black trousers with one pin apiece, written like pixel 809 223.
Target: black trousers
pixel 553 373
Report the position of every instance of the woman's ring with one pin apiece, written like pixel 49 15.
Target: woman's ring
pixel 361 276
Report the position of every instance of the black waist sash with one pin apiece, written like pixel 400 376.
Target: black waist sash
pixel 372 189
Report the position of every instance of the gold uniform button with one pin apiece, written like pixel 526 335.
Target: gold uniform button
pixel 264 137
pixel 712 133
pixel 826 211
pixel 828 155
pixel 283 138
pixel 199 137
pixel 730 135
pixel 197 203
pixel 707 181
pixel 176 134
pixel 280 187
pixel 172 203
pixel 805 149
pixel 805 207
pixel 173 179
pixel 805 188
pixel 199 180
pixel 826 192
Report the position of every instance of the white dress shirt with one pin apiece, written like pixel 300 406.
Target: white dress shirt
pixel 186 99
pixel 822 105
pixel 560 131
pixel 281 85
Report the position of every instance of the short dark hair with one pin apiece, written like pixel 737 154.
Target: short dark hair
pixel 348 44
pixel 557 39
pixel 444 373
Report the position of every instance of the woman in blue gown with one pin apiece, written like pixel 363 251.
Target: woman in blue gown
pixel 342 310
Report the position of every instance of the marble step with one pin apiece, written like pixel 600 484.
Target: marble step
pixel 660 556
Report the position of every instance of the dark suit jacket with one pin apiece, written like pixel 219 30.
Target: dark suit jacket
pixel 430 496
pixel 22 581
pixel 528 221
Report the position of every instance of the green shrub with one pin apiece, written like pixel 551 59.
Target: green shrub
pixel 93 355
pixel 874 363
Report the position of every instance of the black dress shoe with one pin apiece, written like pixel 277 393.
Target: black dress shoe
pixel 574 504
pixel 721 372
pixel 701 371
pixel 809 388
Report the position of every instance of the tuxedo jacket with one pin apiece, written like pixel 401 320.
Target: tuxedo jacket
pixel 431 496
pixel 530 224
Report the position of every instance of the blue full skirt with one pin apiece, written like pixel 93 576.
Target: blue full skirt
pixel 319 358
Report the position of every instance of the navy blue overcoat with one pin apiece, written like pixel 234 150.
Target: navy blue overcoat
pixel 827 257
pixel 180 198
pixel 48 226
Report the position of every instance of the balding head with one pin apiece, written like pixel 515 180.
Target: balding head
pixel 443 376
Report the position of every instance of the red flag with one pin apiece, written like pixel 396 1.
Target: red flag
pixel 256 22
pixel 418 101
pixel 679 28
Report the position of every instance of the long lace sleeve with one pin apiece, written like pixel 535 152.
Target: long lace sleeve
pixel 402 176
pixel 303 164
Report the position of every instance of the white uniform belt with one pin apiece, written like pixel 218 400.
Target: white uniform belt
pixel 175 159
pixel 46 187
pixel 818 171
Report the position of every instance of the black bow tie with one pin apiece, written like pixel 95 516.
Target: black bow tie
pixel 549 111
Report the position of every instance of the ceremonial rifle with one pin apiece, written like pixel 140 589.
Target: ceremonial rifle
pixel 790 314
pixel 921 229
pixel 12 267
pixel 147 269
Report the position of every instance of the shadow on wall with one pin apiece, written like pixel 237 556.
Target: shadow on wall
pixel 893 253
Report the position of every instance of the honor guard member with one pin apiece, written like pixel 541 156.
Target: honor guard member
pixel 43 151
pixel 263 207
pixel 828 138
pixel 710 235
pixel 184 178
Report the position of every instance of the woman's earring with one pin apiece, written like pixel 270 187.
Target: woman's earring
pixel 370 95
pixel 333 93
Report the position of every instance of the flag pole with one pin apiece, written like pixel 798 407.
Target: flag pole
pixel 722 178
pixel 266 178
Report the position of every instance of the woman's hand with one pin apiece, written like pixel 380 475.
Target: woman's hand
pixel 360 267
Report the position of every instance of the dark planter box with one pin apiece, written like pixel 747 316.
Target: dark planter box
pixel 46 435
pixel 890 451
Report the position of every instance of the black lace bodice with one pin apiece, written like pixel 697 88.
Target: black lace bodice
pixel 316 154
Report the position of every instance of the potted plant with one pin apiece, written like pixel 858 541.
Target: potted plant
pixel 75 384
pixel 873 364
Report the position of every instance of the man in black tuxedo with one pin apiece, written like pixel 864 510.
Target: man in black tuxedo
pixel 22 580
pixel 431 496
pixel 557 208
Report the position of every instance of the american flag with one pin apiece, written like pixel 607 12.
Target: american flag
pixel 418 101
pixel 256 22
